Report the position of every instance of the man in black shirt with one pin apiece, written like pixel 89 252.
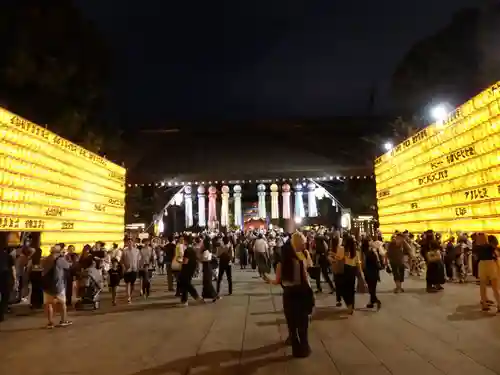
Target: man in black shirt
pixel 169 256
pixel 7 278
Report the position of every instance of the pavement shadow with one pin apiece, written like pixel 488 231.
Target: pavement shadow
pixel 25 312
pixel 319 314
pixel 263 294
pixel 469 312
pixel 222 362
pixel 24 329
pixel 260 313
pixel 329 313
pixel 104 310
pixel 156 297
pixel 407 291
pixel 120 309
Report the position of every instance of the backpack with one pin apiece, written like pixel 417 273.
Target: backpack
pixel 49 278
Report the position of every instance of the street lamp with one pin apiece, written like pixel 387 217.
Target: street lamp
pixel 388 146
pixel 440 112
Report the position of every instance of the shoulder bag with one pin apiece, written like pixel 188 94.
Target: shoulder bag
pixel 309 300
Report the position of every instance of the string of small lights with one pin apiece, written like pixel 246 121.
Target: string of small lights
pixel 257 181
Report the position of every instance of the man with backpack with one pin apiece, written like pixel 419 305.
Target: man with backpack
pixel 54 275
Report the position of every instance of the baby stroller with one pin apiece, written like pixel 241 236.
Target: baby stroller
pixel 89 292
pixel 215 267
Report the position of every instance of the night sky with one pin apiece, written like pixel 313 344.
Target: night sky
pixel 236 68
pixel 260 59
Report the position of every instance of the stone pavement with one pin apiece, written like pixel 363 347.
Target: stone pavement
pixel 414 333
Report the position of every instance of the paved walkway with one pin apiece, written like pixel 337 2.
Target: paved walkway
pixel 414 333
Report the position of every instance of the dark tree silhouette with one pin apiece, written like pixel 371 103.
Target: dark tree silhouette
pixel 452 65
pixel 54 70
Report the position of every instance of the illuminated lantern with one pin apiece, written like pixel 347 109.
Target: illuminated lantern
pixel 188 206
pixel 212 207
pixel 311 199
pixel 224 211
pixel 261 192
pixel 299 203
pixel 178 198
pixel 59 189
pixel 285 194
pixel 161 226
pixel 237 206
pixel 320 193
pixel 445 177
pixel 202 222
pixel 345 221
pixel 275 212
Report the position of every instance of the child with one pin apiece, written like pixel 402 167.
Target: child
pixel 115 276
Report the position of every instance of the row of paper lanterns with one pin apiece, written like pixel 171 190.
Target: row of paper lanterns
pixel 182 183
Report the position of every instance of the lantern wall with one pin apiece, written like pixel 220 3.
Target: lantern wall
pixel 52 186
pixel 446 177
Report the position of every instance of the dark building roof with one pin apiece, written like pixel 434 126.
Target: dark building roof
pixel 277 149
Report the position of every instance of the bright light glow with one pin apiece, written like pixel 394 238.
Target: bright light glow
pixel 298 220
pixel 388 146
pixel 440 112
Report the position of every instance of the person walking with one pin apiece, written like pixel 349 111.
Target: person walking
pixel 35 277
pixel 225 253
pixel 321 262
pixel 372 264
pixel 7 279
pixel 260 250
pixel 208 291
pixel 352 268
pixel 169 254
pixel 54 279
pixel 186 273
pixel 131 257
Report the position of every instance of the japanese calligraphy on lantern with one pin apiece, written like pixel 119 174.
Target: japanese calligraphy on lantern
pixel 52 186
pixel 448 177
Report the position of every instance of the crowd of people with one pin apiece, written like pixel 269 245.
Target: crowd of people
pixel 299 260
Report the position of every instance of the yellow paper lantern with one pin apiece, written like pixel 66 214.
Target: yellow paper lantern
pixel 447 176
pixel 52 186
